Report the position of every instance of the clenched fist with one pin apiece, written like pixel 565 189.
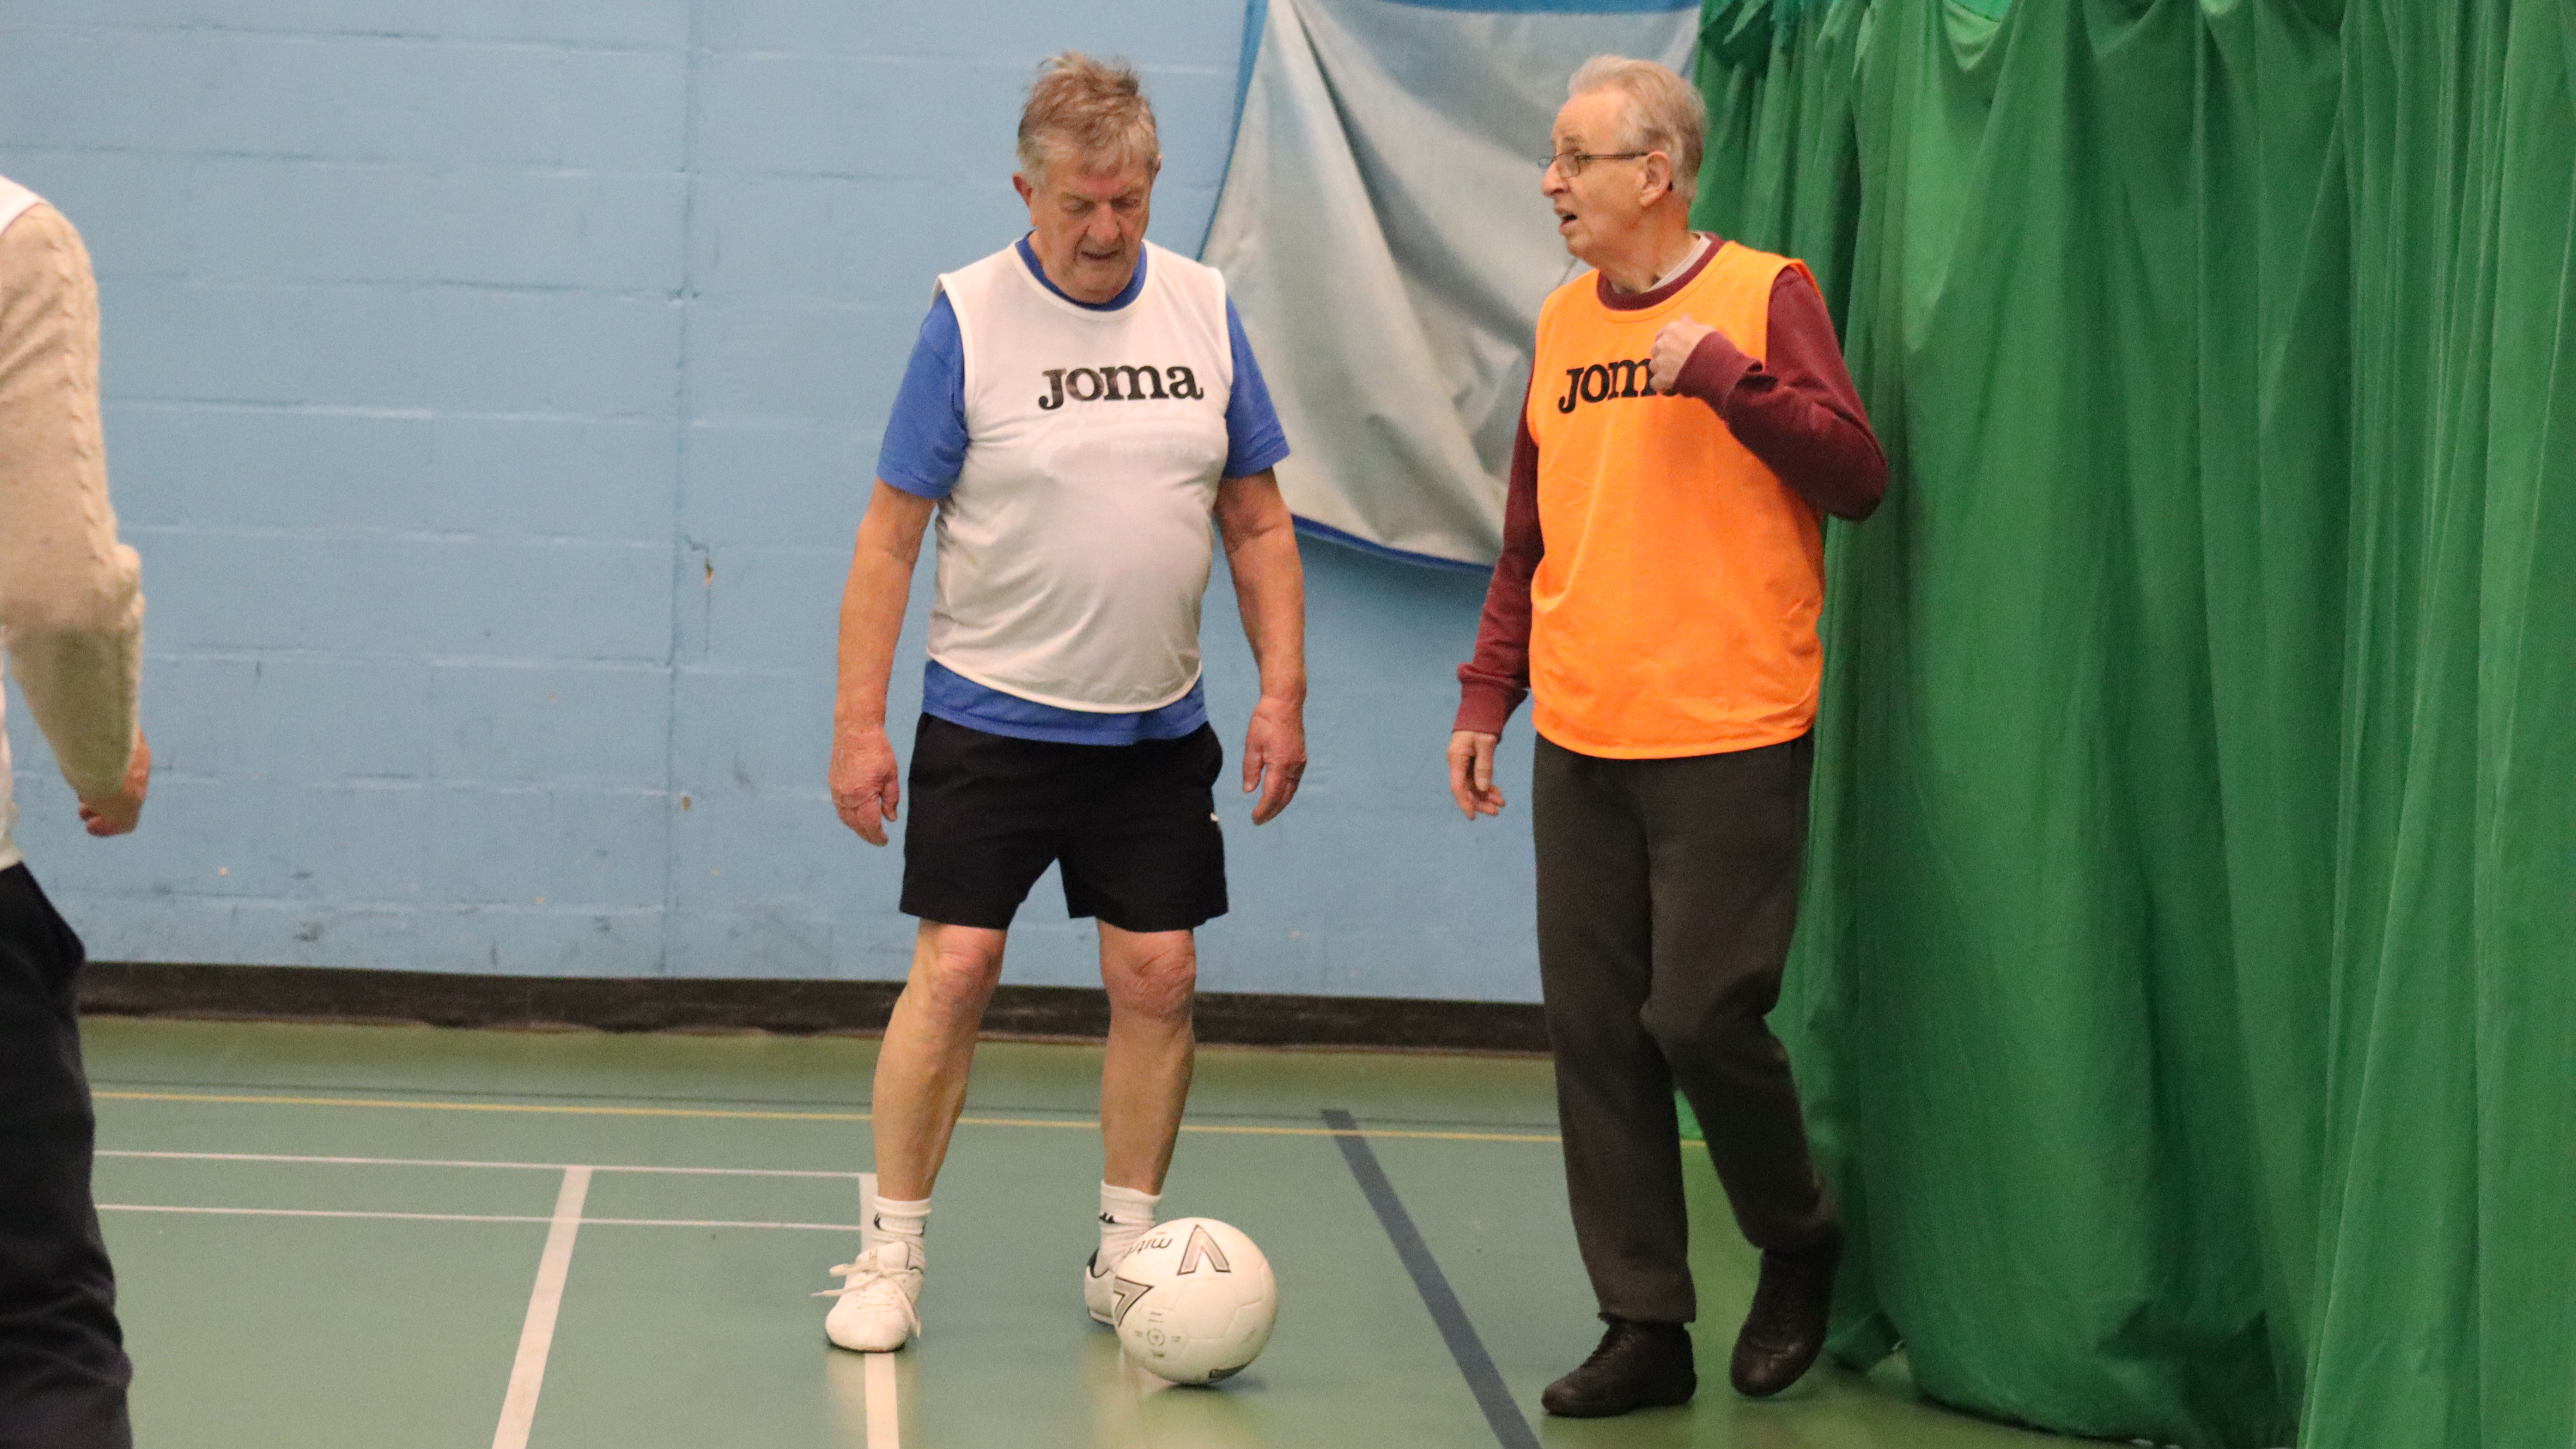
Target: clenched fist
pixel 1673 347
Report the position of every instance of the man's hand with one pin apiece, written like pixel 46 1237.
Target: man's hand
pixel 1471 771
pixel 1274 756
pixel 866 783
pixel 117 814
pixel 1673 347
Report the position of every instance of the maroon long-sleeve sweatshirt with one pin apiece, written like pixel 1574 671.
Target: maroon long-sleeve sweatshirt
pixel 1796 410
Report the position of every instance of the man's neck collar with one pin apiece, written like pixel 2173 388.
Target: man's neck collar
pixel 1126 294
pixel 1706 249
pixel 1658 257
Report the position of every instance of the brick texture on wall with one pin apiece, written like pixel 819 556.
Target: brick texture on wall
pixel 493 388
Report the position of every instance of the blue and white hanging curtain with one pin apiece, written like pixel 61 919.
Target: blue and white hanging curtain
pixel 1382 234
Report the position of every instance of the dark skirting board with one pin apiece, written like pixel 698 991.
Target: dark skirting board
pixel 437 998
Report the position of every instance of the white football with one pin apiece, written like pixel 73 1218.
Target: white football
pixel 1194 1301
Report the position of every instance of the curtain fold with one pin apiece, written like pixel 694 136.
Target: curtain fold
pixel 1382 233
pixel 2187 986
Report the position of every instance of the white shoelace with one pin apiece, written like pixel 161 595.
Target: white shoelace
pixel 875 1285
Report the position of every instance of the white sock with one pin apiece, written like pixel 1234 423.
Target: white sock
pixel 894 1218
pixel 1125 1216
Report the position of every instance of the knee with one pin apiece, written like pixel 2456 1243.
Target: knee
pixel 1720 1035
pixel 1157 983
pixel 958 976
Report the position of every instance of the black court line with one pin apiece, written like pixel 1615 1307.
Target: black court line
pixel 1474 1364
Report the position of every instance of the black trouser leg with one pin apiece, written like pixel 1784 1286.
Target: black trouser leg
pixel 1667 893
pixel 1728 833
pixel 1614 1097
pixel 63 1369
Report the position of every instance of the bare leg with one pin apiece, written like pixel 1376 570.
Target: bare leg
pixel 1151 978
pixel 929 1048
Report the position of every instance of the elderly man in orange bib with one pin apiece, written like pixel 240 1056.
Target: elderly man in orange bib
pixel 1688 424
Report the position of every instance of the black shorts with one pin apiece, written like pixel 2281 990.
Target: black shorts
pixel 1133 825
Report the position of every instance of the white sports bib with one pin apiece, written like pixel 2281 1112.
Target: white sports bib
pixel 1074 550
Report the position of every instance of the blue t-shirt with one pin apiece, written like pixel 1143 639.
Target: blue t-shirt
pixel 925 451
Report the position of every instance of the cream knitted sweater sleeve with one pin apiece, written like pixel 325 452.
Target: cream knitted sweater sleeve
pixel 71 609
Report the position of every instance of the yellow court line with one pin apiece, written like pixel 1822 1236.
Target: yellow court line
pixel 745 1115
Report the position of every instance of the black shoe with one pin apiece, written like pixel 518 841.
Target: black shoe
pixel 1637 1366
pixel 1786 1329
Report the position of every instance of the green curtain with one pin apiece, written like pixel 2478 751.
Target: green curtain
pixel 2186 991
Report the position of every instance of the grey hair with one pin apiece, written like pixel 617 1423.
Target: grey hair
pixel 1663 112
pixel 1092 112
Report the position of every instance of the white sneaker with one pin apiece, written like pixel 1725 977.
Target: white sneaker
pixel 1099 1292
pixel 878 1291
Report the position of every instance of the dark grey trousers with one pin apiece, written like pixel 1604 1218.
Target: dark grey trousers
pixel 1667 891
pixel 62 1357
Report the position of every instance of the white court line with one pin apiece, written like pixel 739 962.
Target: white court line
pixel 241 1212
pixel 537 1336
pixel 884 1425
pixel 885 1418
pixel 588 1222
pixel 467 1162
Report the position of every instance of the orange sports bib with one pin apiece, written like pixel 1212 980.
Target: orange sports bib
pixel 1674 607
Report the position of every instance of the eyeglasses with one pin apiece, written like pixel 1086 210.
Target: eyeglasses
pixel 1570 164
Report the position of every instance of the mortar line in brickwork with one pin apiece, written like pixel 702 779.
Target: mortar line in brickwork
pixel 326 286
pixel 315 35
pixel 298 654
pixel 683 404
pixel 386 533
pixel 383 414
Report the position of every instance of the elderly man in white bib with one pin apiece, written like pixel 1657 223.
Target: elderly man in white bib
pixel 1077 409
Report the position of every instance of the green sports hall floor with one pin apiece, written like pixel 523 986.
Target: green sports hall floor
pixel 390 1237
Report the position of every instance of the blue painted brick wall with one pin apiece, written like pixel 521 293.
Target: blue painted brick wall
pixel 493 389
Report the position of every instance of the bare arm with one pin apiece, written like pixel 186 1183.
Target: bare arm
pixel 69 605
pixel 1270 587
pixel 867 785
